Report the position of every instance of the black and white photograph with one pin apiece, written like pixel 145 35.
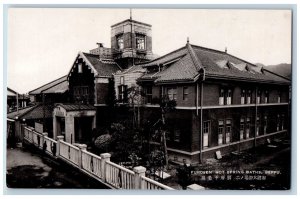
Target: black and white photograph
pixel 149 99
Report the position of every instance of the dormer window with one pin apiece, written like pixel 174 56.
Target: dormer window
pixel 140 42
pixel 120 42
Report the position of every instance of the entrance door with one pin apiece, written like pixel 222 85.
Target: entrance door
pixel 83 129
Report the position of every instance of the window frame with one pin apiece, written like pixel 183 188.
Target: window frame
pixel 185 93
pixel 141 37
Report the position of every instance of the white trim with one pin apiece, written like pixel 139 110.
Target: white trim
pixel 245 140
pixel 101 80
pixel 221 146
pixel 11 120
pixel 230 106
pixel 88 63
pixel 151 105
pixel 100 105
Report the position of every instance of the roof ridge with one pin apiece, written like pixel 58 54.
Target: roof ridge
pixel 195 59
pixel 262 68
pixel 163 56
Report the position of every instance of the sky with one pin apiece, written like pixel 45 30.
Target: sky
pixel 43 43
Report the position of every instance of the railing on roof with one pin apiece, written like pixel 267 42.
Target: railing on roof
pixel 98 167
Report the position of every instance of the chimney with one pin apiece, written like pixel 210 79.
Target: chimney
pixel 100 45
pixel 225 49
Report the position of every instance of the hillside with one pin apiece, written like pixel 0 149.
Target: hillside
pixel 281 69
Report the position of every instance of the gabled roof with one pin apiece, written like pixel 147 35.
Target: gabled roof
pixel 100 67
pixel 60 82
pixel 216 64
pixel 104 67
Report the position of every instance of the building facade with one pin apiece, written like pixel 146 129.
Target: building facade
pixel 222 102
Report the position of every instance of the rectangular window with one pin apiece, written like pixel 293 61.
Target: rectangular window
pixel 141 42
pixel 229 97
pixel 206 133
pixel 122 81
pixel 282 121
pixel 228 131
pixel 265 124
pixel 243 96
pixel 248 125
pixel 177 135
pixel 120 42
pixel 80 68
pixel 257 126
pixel 172 93
pixel 148 92
pixel 242 128
pixel 258 97
pixel 185 93
pixel 249 94
pixel 279 97
pixel 220 132
pixel 122 89
pixel 278 122
pixel 221 97
pixel 266 97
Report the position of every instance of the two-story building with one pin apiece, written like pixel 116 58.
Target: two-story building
pixel 223 102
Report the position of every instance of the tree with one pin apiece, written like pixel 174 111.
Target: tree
pixel 123 141
pixel 166 105
pixel 134 95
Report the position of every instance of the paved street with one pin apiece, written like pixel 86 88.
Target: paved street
pixel 31 170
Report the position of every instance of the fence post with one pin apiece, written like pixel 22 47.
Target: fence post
pixel 105 157
pixel 59 139
pixel 82 147
pixel 22 131
pixel 138 172
pixel 45 134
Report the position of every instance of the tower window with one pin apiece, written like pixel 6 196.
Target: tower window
pixel 140 42
pixel 120 42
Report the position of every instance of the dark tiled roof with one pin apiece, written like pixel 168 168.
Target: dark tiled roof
pixel 103 67
pixel 39 112
pixel 14 114
pixel 237 69
pixel 11 92
pixel 33 112
pixel 76 107
pixel 48 86
pixel 183 69
pixel 217 65
pixel 166 58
